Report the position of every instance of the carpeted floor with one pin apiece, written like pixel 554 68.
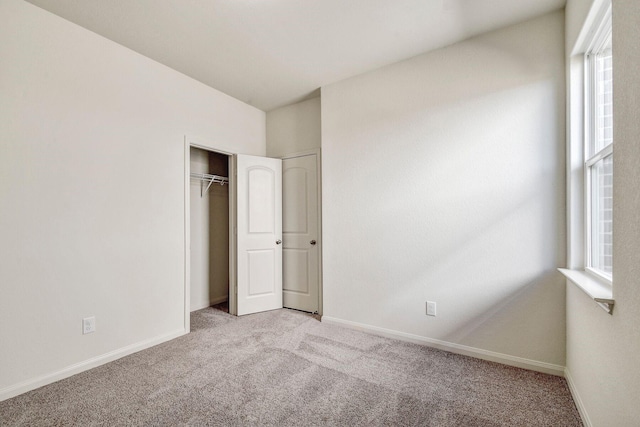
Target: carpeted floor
pixel 284 368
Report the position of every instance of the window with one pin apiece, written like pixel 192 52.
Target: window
pixel 598 161
pixel 590 158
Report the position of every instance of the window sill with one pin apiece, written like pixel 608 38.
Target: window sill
pixel 600 291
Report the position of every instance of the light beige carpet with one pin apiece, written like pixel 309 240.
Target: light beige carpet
pixel 284 368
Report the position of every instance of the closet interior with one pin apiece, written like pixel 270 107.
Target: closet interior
pixel 209 203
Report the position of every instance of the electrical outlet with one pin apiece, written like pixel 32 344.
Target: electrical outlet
pixel 88 325
pixel 431 308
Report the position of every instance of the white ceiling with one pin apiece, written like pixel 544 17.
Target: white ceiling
pixel 271 53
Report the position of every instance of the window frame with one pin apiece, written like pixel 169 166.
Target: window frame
pixel 577 271
pixel 600 40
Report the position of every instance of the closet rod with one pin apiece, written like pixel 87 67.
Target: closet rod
pixel 205 177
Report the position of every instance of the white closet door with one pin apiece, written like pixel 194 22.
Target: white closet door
pixel 301 233
pixel 259 234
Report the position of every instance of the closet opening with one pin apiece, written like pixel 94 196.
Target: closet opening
pixel 208 235
pixel 233 249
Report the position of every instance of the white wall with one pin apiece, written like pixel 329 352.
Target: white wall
pixel 443 180
pixel 92 190
pixel 294 128
pixel 602 349
pixel 209 232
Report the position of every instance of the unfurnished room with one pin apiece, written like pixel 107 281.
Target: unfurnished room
pixel 320 212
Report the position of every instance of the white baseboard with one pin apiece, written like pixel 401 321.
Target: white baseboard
pixel 32 384
pixel 577 399
pixel 492 356
pixel 218 300
pixel 204 304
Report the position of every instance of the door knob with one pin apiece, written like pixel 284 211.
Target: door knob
pixel 278 242
pixel 313 242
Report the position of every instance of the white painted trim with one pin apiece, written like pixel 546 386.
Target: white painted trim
pixel 576 189
pixel 32 384
pixel 219 300
pixel 233 227
pixel 310 152
pixel 582 410
pixel 320 235
pixel 597 12
pixel 199 306
pixel 205 145
pixel 187 235
pixel 595 287
pixel 492 356
pixel 204 304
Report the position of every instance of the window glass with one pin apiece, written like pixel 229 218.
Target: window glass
pixel 599 153
pixel 602 215
pixel 603 114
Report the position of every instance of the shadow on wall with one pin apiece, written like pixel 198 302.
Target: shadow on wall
pixel 523 315
pixel 495 271
pixel 450 166
pixel 482 179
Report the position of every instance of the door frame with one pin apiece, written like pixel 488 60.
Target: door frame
pixel 317 152
pixel 204 145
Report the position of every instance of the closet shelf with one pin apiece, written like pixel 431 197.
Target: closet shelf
pixel 209 179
